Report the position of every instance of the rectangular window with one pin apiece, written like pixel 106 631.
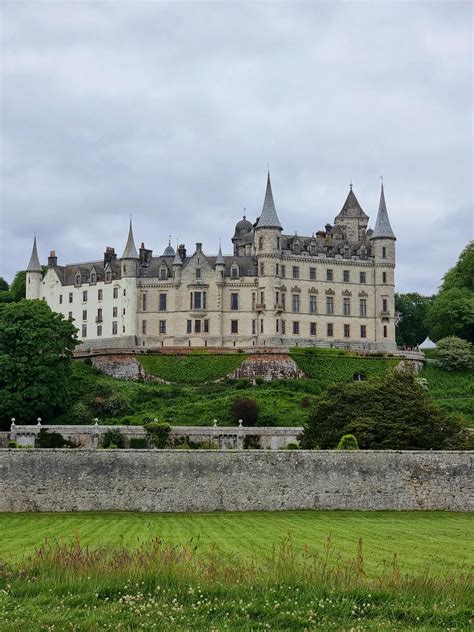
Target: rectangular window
pixel 197 300
pixel 283 326
pixel 254 327
pixel 162 326
pixel 99 315
pixel 144 296
pixel 70 316
pixel 295 302
pixel 99 330
pixel 114 312
pixel 60 299
pixel 261 326
pixel 84 296
pixel 206 326
pixel 312 329
pixel 330 330
pixel 277 269
pixel 312 304
pixel 70 297
pixel 384 277
pixel 84 314
pixel 123 311
pixel 363 307
pixel 197 326
pixel 384 253
pixel 116 292
pixel 312 274
pixel 283 271
pixel 189 326
pixel 384 305
pixel 385 331
pixel 277 297
pixel 262 269
pixel 100 295
pixel 346 307
pixel 363 331
pixel 345 276
pixel 123 329
pixel 114 328
pixel 234 301
pixel 296 272
pixel 347 331
pixel 234 326
pixel 329 305
pixel 84 331
pixel 198 273
pixel 296 327
pixel 162 302
pixel 362 278
pixel 277 323
pixel 143 326
pixel 163 273
pixel 329 275
pixel 262 297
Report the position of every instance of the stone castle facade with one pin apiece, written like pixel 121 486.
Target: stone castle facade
pixel 334 288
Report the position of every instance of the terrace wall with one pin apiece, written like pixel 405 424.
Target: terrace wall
pixel 202 480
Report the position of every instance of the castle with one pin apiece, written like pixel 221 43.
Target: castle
pixel 334 288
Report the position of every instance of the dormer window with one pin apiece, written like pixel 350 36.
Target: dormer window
pixel 296 248
pixel 77 280
pixel 163 272
pixel 108 276
pixel 234 272
pixel 93 278
pixel 312 249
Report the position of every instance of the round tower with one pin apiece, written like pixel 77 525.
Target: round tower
pixel 34 276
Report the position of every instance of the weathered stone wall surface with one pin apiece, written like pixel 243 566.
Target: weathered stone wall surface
pixel 268 367
pixel 201 480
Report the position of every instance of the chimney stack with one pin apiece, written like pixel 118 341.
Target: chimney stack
pixel 52 259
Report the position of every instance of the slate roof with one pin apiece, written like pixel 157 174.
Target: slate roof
pixel 351 207
pixel 268 217
pixel 382 228
pixel 34 264
pixel 130 251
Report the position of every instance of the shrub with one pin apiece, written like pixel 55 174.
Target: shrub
pixel 252 442
pixel 245 409
pixel 82 413
pixel 113 438
pixel 46 439
pixel 259 381
pixel 306 402
pixel 112 405
pixel 455 354
pixel 157 433
pixel 138 443
pixel 12 444
pixel 292 446
pixel 348 442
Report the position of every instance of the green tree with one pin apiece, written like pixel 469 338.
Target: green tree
pixel 6 296
pixel 3 285
pixel 413 307
pixel 157 433
pixel 36 346
pixel 462 274
pixel 452 314
pixel 455 354
pixel 392 412
pixel 348 442
pixel 18 286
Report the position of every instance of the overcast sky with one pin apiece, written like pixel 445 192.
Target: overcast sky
pixel 172 111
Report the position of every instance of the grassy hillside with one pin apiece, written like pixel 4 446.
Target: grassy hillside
pixel 194 368
pixel 451 390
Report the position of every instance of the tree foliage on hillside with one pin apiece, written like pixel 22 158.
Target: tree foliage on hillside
pixel 413 307
pixel 455 354
pixel 392 412
pixel 36 346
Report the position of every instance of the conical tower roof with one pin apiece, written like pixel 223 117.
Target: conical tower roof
pixel 220 259
pixel 130 251
pixel 269 217
pixel 34 265
pixel 351 207
pixel 382 229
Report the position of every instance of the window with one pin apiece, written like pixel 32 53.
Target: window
pixel 278 243
pixel 330 330
pixel 295 302
pixel 99 315
pixel 163 273
pixel 384 305
pixel 262 297
pixel 196 300
pixel 206 326
pixel 93 278
pixel 197 326
pixel 189 326
pixel 261 326
pixel 198 273
pixel 77 280
pixel 277 297
pixel 345 276
pixel 283 327
pixel 123 311
pixel 384 277
pixel 143 326
pixel 70 297
pixel 312 329
pixel 84 314
pixel 260 243
pixel 384 253
pixel 312 274
pixel 296 272
pixel 100 294
pixel 108 276
pixel 312 249
pixel 234 272
pixel 114 312
pixel 125 292
pixel 254 327
pixel 277 269
pixel 363 331
pixel 114 328
pixel 363 307
pixel 362 278
pixel 262 269
pixel 234 301
pixel 283 300
pixel 144 302
pixel 385 331
pixel 60 299
pixel 162 326
pixel 234 326
pixel 162 302
pixel 253 300
pixel 99 330
pixel 277 323
pixel 84 297
pixel 69 316
pixel 329 275
pixel 123 329
pixel 84 331
pixel 346 306
pixel 283 271
pixel 116 292
pixel 347 331
pixel 312 303
pixel 329 305
pixel 296 327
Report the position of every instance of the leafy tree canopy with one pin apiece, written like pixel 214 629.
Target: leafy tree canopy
pixel 392 412
pixel 462 274
pixel 3 285
pixel 412 330
pixel 455 354
pixel 36 346
pixel 18 286
pixel 452 314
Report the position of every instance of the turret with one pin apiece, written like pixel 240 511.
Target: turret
pixel 34 274
pixel 383 238
pixel 220 266
pixel 130 258
pixel 177 265
pixel 268 230
pixel 351 218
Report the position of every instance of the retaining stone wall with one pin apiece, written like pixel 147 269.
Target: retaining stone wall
pixel 179 481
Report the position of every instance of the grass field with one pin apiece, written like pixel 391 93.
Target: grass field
pixel 244 582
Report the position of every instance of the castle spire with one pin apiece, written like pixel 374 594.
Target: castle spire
pixel 34 265
pixel 382 229
pixel 269 217
pixel 220 259
pixel 130 251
